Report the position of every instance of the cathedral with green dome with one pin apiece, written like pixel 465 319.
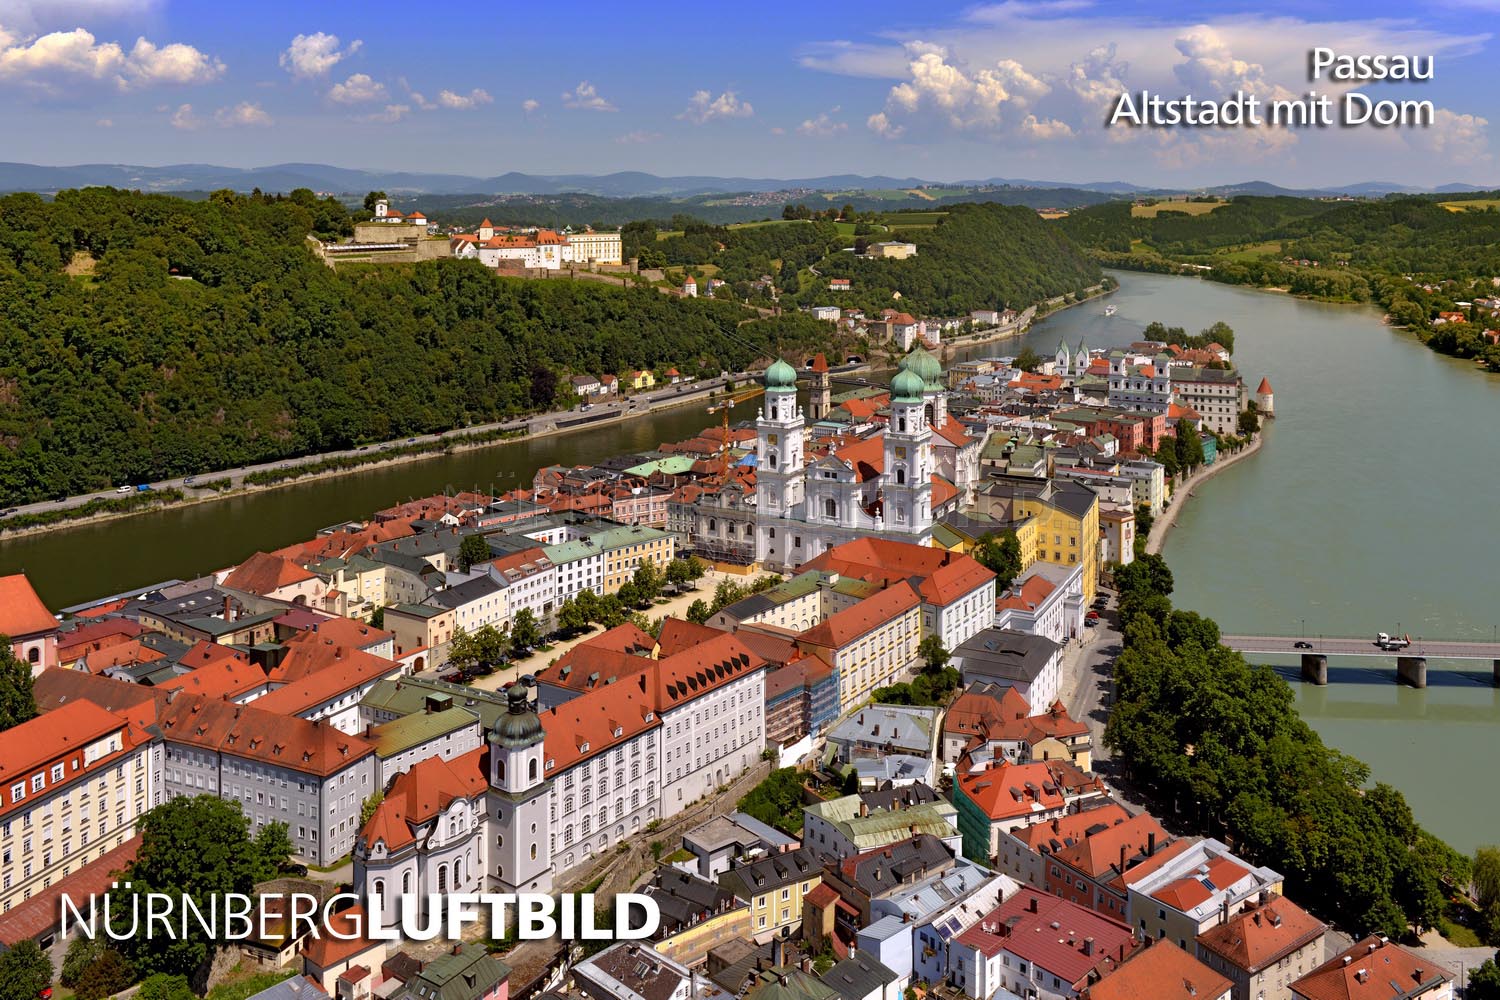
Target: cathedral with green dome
pixel 885 483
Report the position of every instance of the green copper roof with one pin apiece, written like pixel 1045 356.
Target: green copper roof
pixel 907 387
pixel 924 366
pixel 781 376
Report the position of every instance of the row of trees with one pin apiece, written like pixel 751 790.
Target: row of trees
pixel 1218 742
pixel 727 593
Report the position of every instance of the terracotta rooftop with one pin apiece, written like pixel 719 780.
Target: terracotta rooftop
pixel 1008 791
pixel 50 736
pixel 265 573
pixel 416 797
pixel 253 733
pixel 1067 940
pixel 939 575
pixel 1161 972
pixel 1259 936
pixel 21 611
pixel 1372 969
pixel 843 627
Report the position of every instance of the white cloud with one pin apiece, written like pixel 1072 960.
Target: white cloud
pixel 33 15
pixel 105 123
pixel 966 99
pixel 1458 139
pixel 464 102
pixel 1045 128
pixel 314 55
pixel 358 89
pixel 881 124
pixel 529 105
pixel 637 137
pixel 587 97
pixel 703 106
pixel 243 115
pixel 392 113
pixel 62 57
pixel 823 124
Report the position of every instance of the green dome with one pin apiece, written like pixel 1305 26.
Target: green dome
pixel 924 366
pixel 519 726
pixel 781 376
pixel 906 387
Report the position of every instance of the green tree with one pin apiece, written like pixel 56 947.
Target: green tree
pixel 1248 423
pixel 369 805
pixel 1486 878
pixel 25 971
pixel 1144 519
pixel 525 632
pixel 628 595
pixel 105 976
pixel 164 987
pixel 17 705
pixel 1028 360
pixel 1001 555
pixel 487 644
pixel 851 781
pixel 372 198
pixel 377 620
pixel 81 953
pixel 197 847
pixel 777 800
pixel 934 656
pixel 648 581
pixel 570 618
pixel 699 612
pixel 472 550
pixel 273 845
pixel 1484 982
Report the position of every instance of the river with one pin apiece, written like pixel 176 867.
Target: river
pixel 1368 509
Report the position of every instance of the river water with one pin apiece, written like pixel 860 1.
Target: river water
pixel 1368 509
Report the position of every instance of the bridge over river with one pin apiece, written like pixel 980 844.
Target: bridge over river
pixel 1411 660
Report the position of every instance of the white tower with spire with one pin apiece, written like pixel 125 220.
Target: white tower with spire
pixel 907 480
pixel 779 476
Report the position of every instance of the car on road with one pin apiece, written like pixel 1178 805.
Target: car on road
pixel 1302 644
pixel 190 480
pixel 1090 623
pixel 9 512
pixel 453 677
pixel 411 440
pixel 1092 616
pixel 124 489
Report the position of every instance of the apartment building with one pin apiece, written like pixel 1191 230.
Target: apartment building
pixel 870 644
pixel 73 782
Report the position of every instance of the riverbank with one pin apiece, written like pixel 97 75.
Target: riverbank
pixel 1184 492
pixel 454 442
pixel 1021 329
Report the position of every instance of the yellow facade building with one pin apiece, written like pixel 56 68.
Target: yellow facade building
pixel 1065 516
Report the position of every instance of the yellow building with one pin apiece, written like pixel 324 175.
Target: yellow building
pixel 1066 521
pixel 625 548
pixel 963 533
pixel 868 644
pixel 774 887
pixel 641 380
pixel 77 778
pixel 690 944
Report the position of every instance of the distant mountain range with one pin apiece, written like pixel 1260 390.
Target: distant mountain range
pixel 626 184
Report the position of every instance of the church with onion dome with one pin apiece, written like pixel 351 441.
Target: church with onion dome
pixel 887 483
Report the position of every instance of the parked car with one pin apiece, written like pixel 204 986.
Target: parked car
pixel 1090 622
pixel 190 480
pixel 453 677
pixel 1302 644
pixel 123 489
pixel 1092 616
pixel 143 488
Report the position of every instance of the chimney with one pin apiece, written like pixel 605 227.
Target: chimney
pixel 458 949
pixel 1150 843
pixel 864 809
pixel 778 951
pixel 1088 946
pixel 1031 904
pixel 369 728
pixel 228 608
pixel 1122 851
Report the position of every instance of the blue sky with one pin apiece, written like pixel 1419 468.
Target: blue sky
pixel 941 91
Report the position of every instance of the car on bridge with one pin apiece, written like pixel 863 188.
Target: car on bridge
pixel 1302 644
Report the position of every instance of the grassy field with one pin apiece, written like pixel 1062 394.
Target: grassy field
pixel 1186 207
pixel 911 220
pixel 1478 205
pixel 1252 251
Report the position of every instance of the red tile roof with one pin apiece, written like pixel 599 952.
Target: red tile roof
pixel 1009 791
pixel 96 635
pixel 678 634
pixel 264 573
pixel 847 626
pixel 338 670
pixel 1264 388
pixel 39 741
pixel 256 734
pixel 1372 969
pixel 340 943
pixel 590 724
pixel 1053 937
pixel 1259 936
pixel 943 576
pixel 1161 972
pixel 819 363
pixel 1098 851
pixel 122 654
pixel 1033 592
pixel 418 796
pixel 21 611
pixel 42 913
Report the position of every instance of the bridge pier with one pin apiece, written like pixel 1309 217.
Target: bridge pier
pixel 1315 669
pixel 1497 673
pixel 1411 670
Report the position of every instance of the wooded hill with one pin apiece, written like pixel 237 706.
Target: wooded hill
pixel 199 335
